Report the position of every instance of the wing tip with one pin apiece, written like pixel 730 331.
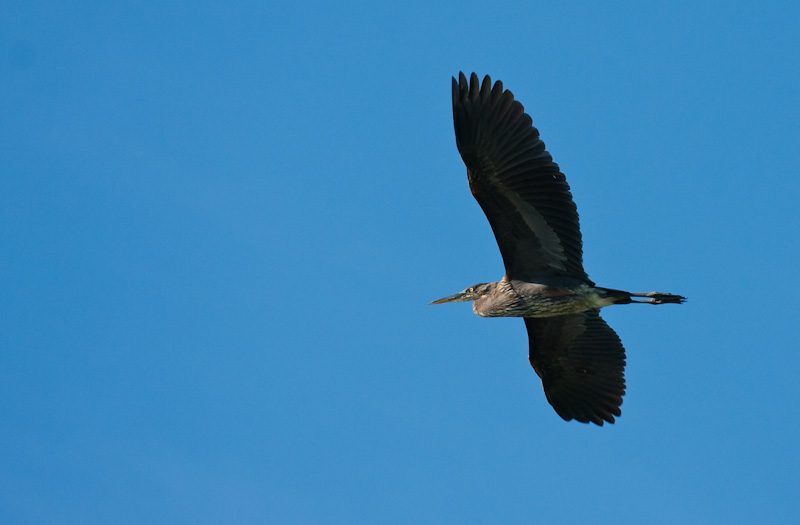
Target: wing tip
pixel 473 88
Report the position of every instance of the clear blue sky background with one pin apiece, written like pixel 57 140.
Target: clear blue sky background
pixel 221 224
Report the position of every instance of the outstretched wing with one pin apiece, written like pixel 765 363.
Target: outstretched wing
pixel 521 190
pixel 581 362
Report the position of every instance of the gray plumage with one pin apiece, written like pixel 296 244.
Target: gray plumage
pixel 529 206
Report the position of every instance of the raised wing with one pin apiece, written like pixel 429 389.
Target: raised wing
pixel 521 190
pixel 581 362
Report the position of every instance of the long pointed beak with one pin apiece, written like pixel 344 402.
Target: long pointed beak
pixel 451 298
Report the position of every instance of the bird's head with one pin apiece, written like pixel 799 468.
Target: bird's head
pixel 472 293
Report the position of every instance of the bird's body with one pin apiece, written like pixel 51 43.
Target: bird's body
pixel 513 298
pixel 528 203
pixel 562 295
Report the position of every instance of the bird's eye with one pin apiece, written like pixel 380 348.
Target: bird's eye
pixel 471 289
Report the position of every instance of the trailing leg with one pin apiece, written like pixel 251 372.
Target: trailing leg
pixel 658 298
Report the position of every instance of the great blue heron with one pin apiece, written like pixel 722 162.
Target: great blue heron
pixel 527 200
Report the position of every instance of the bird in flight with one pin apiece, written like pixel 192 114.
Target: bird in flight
pixel 579 358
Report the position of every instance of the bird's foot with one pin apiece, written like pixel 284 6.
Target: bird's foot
pixel 659 298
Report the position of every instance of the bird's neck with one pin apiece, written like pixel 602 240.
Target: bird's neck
pixel 494 303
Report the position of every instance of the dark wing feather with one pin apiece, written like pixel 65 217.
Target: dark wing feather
pixel 581 362
pixel 521 190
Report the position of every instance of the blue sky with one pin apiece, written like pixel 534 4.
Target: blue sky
pixel 221 224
